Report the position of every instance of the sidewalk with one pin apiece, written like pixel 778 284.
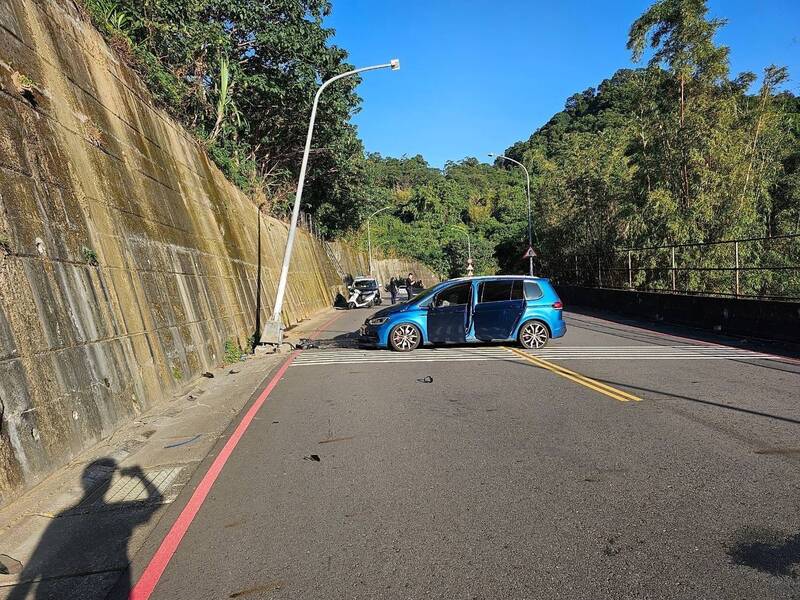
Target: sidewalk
pixel 75 531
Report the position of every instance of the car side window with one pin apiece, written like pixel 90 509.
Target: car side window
pixel 495 291
pixel 454 296
pixel 517 292
pixel 533 291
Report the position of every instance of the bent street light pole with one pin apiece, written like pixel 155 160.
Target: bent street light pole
pixel 369 237
pixel 530 228
pixel 273 330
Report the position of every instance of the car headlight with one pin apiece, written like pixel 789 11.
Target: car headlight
pixel 377 321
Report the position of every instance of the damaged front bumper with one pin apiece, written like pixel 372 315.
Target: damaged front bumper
pixel 368 336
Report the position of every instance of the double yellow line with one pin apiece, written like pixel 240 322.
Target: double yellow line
pixel 592 384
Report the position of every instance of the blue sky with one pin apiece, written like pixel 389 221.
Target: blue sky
pixel 478 75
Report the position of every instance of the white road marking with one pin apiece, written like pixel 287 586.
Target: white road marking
pixel 337 356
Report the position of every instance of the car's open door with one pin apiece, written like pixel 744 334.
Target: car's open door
pixel 448 314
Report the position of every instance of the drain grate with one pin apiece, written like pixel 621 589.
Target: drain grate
pixel 125 489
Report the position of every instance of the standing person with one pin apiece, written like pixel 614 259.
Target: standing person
pixel 393 289
pixel 409 285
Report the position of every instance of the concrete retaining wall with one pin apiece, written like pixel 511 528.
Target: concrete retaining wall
pixel 126 258
pixel 742 317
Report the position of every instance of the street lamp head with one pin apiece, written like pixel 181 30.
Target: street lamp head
pixel 395 64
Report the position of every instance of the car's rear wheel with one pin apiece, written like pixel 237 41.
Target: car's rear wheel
pixel 405 337
pixel 533 335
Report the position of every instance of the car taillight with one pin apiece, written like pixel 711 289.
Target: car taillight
pixel 558 305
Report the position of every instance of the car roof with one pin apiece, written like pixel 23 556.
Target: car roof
pixel 496 277
pixel 364 278
pixel 489 278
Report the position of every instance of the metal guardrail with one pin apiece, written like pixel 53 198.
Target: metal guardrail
pixel 766 268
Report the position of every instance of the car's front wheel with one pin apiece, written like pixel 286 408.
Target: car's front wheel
pixel 405 337
pixel 533 335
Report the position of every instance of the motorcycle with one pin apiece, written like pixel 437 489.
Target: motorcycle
pixel 364 292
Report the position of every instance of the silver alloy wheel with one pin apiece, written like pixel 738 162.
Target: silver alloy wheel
pixel 405 338
pixel 533 335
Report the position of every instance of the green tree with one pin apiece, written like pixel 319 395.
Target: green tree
pixel 682 39
pixel 242 74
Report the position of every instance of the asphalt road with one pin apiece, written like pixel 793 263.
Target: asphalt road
pixel 509 478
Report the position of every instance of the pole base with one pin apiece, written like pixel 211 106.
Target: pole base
pixel 272 333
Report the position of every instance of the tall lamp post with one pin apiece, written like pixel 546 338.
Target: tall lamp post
pixel 530 227
pixel 369 236
pixel 273 329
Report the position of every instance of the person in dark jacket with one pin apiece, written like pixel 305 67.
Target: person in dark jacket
pixel 393 289
pixel 409 285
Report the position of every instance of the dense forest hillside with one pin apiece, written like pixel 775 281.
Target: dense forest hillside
pixel 677 150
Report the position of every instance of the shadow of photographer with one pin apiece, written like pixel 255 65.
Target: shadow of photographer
pixel 83 553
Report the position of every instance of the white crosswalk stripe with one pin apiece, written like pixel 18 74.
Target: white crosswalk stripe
pixel 337 356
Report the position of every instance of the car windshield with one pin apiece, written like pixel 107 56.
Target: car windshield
pixel 423 298
pixel 366 284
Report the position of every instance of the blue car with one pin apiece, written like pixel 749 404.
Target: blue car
pixel 471 310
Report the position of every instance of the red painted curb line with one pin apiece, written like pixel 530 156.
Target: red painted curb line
pixel 169 545
pixel 155 568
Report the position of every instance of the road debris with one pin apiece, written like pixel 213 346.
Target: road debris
pixel 272 586
pixel 208 374
pixel 312 457
pixel 184 442
pixel 234 524
pixel 611 549
pixel 338 439
pixel 9 566
pixel 427 379
pixel 233 372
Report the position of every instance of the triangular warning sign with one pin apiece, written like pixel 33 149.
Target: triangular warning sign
pixel 530 253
